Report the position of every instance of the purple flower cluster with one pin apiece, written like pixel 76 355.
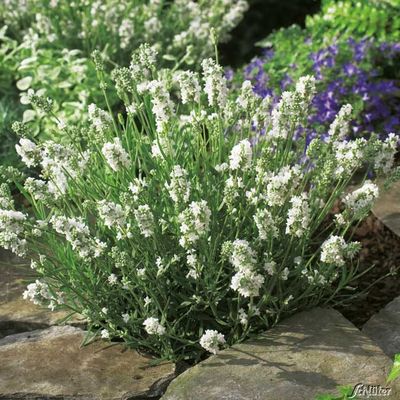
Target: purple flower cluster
pixel 350 73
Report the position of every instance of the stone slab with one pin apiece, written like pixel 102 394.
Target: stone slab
pixel 384 328
pixel 19 315
pixel 308 354
pixel 50 364
pixel 387 207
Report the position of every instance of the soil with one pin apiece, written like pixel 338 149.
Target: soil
pixel 380 249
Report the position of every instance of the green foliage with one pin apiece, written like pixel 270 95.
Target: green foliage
pixel 357 19
pixel 395 371
pixel 337 22
pixel 10 111
pixel 344 394
pixel 45 47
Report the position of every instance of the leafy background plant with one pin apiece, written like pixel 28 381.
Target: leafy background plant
pixel 353 59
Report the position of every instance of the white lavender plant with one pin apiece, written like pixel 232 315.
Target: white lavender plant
pixel 184 231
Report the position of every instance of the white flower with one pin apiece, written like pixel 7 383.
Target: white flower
pixel 37 188
pixel 152 26
pixel 340 126
pixel 126 31
pixel 215 83
pixel 112 214
pixel 246 98
pixel 362 199
pixel 194 222
pixel 384 158
pixel 100 119
pixel 189 85
pixel 292 108
pixel 104 310
pixel 335 250
pixel 115 155
pixel 161 147
pixel 298 216
pixel 240 157
pixel 78 235
pixel 211 341
pixel 28 151
pixel 247 283
pixel 243 317
pixel 145 220
pixel 147 301
pixel 153 327
pixel 242 256
pixel 162 104
pixel 112 279
pixel 270 267
pixel 265 224
pixel 179 186
pixel 280 184
pixel 131 109
pixel 12 231
pixel 222 167
pixel 349 156
pixel 37 292
pixel 285 274
pixel 136 187
pixel 105 334
pixel 125 317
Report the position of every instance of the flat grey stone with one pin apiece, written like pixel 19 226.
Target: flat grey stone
pixel 19 315
pixel 387 207
pixel 51 364
pixel 308 354
pixel 384 328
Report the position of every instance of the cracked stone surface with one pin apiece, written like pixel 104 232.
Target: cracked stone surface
pixel 16 314
pixel 384 328
pixel 387 207
pixel 50 364
pixel 308 354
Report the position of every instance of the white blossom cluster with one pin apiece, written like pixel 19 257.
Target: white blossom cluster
pixel 179 185
pixel 362 199
pixel 247 282
pixel 215 85
pixel 153 327
pixel 116 156
pixel 212 340
pixel 161 148
pixel 241 155
pixel 349 156
pixel 28 151
pixel 340 126
pixel 100 119
pixel 298 216
pixel 145 220
pixel 384 160
pixel 292 108
pixel 58 163
pixel 194 223
pixel 200 16
pixel 112 214
pixel 265 224
pixel 13 231
pixel 189 84
pixel 280 184
pixel 335 250
pixel 37 292
pixel 162 104
pixel 77 233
